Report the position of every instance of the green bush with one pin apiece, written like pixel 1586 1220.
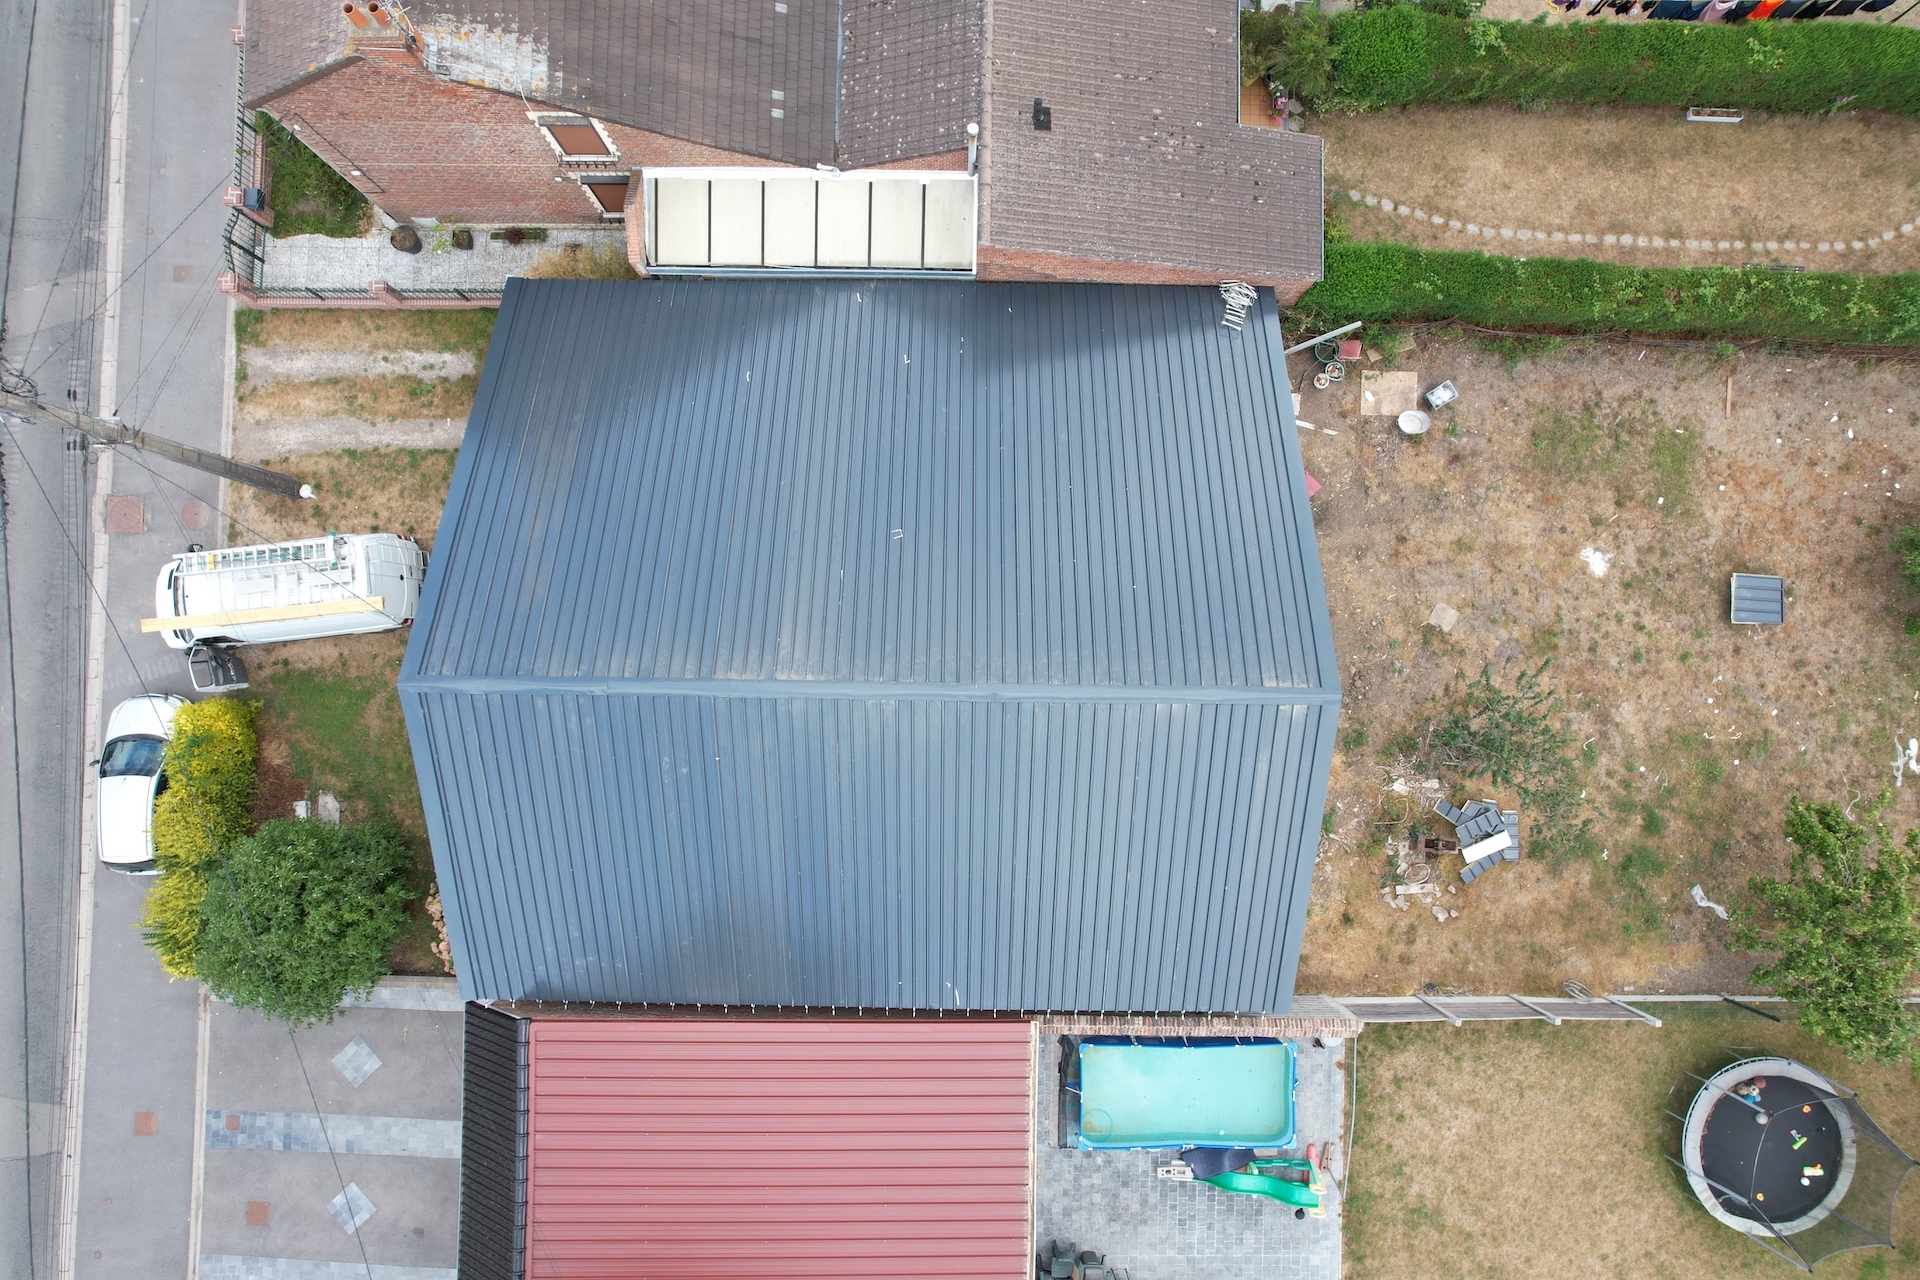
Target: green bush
pixel 1384 58
pixel 307 195
pixel 1844 929
pixel 301 914
pixel 1294 53
pixel 1397 282
pixel 208 804
pixel 1404 53
pixel 1906 545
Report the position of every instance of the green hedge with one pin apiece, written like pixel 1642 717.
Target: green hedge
pixel 207 805
pixel 1404 54
pixel 301 914
pixel 1388 281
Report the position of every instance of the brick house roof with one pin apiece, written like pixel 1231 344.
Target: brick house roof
pixel 902 81
pixel 1146 160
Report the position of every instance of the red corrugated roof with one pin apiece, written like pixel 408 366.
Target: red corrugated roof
pixel 667 1148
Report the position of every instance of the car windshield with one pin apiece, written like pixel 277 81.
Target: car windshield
pixel 132 757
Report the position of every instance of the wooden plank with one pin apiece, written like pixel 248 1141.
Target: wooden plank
pixel 278 613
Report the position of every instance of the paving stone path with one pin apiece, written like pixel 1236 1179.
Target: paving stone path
pixel 1490 232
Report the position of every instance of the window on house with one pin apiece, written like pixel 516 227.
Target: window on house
pixel 576 138
pixel 610 193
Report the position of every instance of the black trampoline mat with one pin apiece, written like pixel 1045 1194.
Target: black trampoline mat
pixel 1761 1162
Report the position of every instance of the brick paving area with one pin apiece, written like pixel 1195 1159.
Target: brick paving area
pixel 1111 1202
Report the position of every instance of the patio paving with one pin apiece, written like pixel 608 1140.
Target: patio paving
pixel 1112 1202
pixel 330 262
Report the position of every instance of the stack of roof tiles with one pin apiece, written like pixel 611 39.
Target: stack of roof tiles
pixel 1474 823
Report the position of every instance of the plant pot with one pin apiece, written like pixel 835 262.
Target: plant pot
pixel 405 239
pixel 463 239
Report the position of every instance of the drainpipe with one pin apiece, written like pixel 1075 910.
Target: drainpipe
pixel 354 15
pixel 973 149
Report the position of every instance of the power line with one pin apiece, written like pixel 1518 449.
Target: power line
pixel 252 933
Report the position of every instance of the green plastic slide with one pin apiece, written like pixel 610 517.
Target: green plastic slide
pixel 1298 1194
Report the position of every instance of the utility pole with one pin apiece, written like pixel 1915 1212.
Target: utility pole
pixel 110 431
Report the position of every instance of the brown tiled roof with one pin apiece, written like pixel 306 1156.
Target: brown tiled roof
pixel 1146 160
pixel 708 71
pixel 288 38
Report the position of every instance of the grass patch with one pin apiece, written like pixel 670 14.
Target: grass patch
pixel 1399 54
pixel 1576 1132
pixel 1630 451
pixel 369 397
pixel 307 196
pixel 367 330
pixel 1386 281
pixel 336 726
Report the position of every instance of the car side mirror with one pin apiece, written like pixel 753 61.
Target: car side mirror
pixel 92 764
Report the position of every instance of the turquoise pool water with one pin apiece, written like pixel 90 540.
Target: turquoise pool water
pixel 1167 1094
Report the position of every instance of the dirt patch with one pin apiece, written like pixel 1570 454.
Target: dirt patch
pixel 266 365
pixel 356 491
pixel 1520 1149
pixel 1640 172
pixel 1693 733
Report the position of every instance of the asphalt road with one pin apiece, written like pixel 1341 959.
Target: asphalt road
pixel 52 108
pixel 142 1029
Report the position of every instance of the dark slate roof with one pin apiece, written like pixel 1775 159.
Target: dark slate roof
pixel 876 644
pixel 706 72
pixel 1146 160
pixel 910 78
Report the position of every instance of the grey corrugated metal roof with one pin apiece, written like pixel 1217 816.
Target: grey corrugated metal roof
pixel 880 644
pixel 1759 599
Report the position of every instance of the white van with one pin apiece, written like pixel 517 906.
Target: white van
pixel 339 585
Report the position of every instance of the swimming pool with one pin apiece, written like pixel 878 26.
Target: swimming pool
pixel 1186 1093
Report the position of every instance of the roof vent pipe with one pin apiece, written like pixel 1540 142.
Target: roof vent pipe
pixel 354 15
pixel 379 14
pixel 973 149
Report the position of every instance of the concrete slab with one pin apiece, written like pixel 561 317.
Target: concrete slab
pixel 1388 395
pixel 416 1207
pixel 252 1065
pixel 1113 1202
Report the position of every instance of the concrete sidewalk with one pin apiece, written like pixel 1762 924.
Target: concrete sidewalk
pixel 336 1149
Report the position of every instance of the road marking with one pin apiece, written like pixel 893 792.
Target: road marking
pixel 229 1266
pixel 197 1197
pixel 347 1135
pixel 67 1221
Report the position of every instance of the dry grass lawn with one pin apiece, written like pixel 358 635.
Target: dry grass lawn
pixel 1526 1151
pixel 1636 171
pixel 1693 733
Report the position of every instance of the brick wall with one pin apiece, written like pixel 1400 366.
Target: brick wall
pixel 954 160
pixel 426 148
pixel 995 262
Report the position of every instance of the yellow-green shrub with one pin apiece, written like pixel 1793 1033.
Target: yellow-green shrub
pixel 208 804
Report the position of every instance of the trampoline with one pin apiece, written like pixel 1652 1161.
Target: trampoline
pixel 1773 1149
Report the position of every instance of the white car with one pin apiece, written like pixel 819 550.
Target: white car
pixel 131 780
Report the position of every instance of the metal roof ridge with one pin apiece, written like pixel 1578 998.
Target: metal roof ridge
pixel 867 690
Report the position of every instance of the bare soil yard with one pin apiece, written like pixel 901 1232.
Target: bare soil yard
pixel 1523 1150
pixel 1693 733
pixel 1639 172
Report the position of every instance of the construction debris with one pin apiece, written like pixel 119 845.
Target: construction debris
pixel 1488 834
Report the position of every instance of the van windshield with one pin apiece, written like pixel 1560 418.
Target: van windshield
pixel 132 757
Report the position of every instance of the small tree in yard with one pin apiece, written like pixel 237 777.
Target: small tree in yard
pixel 1843 927
pixel 303 913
